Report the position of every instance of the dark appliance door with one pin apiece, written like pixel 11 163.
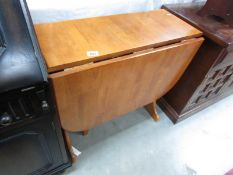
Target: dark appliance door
pixel 31 149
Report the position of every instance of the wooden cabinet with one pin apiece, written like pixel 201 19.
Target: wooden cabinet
pixel 104 67
pixel 209 77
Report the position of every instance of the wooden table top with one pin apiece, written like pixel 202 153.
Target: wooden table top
pixel 71 43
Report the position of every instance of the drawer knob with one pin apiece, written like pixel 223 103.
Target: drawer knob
pixel 5 119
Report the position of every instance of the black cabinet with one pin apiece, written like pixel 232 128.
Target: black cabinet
pixel 31 140
pixel 32 144
pixel 33 149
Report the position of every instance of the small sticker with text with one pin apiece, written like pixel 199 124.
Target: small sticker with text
pixel 93 53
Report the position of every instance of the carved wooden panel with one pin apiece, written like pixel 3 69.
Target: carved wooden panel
pixel 217 81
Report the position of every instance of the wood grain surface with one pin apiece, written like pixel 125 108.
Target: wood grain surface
pixel 92 94
pixel 65 44
pixel 213 29
pixel 223 9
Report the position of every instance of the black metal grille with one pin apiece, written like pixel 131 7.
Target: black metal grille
pixel 28 105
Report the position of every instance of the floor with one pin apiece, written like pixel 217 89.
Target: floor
pixel 136 145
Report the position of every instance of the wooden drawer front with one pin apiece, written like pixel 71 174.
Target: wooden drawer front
pixel 91 94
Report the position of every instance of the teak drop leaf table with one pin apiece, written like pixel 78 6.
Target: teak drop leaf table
pixel 104 67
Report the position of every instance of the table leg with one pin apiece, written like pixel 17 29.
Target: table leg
pixel 69 145
pixel 152 111
pixel 85 132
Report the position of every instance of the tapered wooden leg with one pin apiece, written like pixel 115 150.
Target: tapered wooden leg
pixel 152 111
pixel 69 145
pixel 84 133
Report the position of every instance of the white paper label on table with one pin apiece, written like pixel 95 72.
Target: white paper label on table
pixel 93 53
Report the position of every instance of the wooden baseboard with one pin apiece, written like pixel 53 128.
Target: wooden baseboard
pixel 168 110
